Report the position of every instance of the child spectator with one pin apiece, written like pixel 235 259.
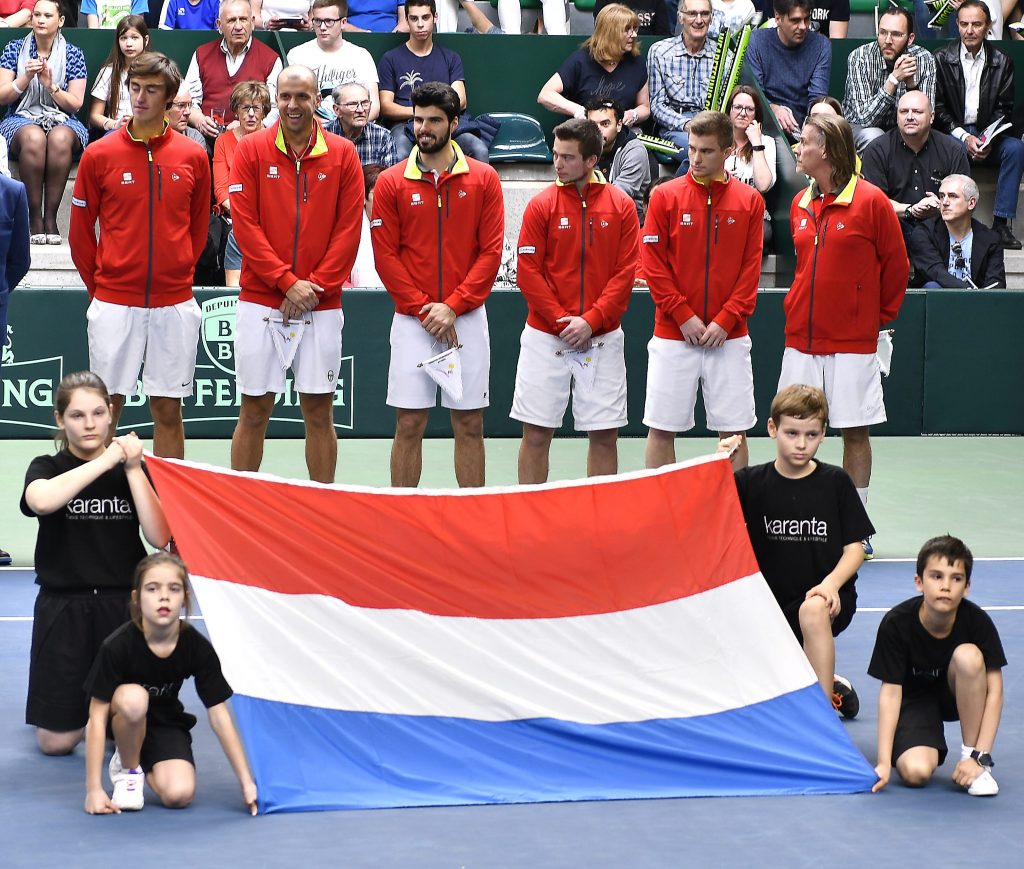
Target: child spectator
pixel 939 658
pixel 806 524
pixel 91 499
pixel 133 688
pixel 111 101
pixel 109 13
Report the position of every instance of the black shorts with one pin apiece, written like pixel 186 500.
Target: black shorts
pixel 847 607
pixel 67 631
pixel 920 722
pixel 165 742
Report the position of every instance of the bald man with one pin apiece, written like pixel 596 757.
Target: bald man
pixel 296 202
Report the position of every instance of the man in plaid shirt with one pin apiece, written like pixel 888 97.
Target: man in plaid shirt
pixel 373 142
pixel 879 73
pixel 679 71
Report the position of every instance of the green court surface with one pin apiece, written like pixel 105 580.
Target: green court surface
pixel 967 486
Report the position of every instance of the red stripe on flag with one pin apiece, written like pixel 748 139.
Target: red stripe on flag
pixel 541 553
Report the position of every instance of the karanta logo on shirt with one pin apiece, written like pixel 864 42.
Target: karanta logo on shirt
pixel 811 530
pixel 99 508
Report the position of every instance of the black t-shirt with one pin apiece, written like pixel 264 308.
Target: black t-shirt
pixel 93 541
pixel 126 659
pixel 798 528
pixel 823 13
pixel 906 654
pixel 653 15
pixel 583 78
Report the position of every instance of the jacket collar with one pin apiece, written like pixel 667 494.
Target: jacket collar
pixel 843 197
pixel 155 142
pixel 412 165
pixel 319 146
pixel 596 177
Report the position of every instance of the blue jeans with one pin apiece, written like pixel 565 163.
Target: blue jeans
pixel 681 140
pixel 1008 154
pixel 471 144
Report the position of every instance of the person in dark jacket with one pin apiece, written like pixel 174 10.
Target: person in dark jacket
pixel 974 87
pixel 954 249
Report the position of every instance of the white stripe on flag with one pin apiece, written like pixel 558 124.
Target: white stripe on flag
pixel 695 656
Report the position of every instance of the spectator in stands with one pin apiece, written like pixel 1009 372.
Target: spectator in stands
pixel 652 15
pixel 790 63
pixel 178 113
pixel 364 272
pixel 974 86
pixel 752 160
pixel 15 13
pixel 334 60
pixel 250 101
pixel 42 81
pixel 909 163
pixel 624 160
pixel 608 65
pixel 954 249
pixel 110 13
pixel 189 14
pixel 830 18
pixel 680 72
pixel 376 16
pixel 734 13
pixel 420 60
pixel 879 73
pixel 111 101
pixel 555 20
pixel 281 14
pixel 374 143
pixel 217 66
pixel 14 249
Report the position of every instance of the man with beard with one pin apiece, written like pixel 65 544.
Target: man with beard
pixel 437 228
pixel 296 205
pixel 879 73
pixel 623 160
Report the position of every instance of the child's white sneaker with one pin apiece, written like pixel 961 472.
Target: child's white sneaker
pixel 128 796
pixel 114 768
pixel 984 785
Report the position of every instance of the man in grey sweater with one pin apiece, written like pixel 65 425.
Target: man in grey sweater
pixel 624 161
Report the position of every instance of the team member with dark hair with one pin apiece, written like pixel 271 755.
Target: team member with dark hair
pixel 296 204
pixel 438 296
pixel 148 188
pixel 624 161
pixel 91 500
pixel 702 260
pixel 578 250
pixel 851 277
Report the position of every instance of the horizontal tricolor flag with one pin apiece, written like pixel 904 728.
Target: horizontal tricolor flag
pixel 606 639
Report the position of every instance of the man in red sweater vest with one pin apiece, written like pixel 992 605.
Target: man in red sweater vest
pixel 578 249
pixel 702 244
pixel 851 277
pixel 217 66
pixel 148 187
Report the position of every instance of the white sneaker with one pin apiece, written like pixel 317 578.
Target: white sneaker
pixel 984 785
pixel 114 768
pixel 128 795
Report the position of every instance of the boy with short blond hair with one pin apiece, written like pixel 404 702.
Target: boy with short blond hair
pixel 806 525
pixel 939 658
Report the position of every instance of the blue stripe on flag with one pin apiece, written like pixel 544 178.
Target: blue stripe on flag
pixel 306 758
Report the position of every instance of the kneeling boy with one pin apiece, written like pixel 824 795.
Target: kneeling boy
pixel 806 524
pixel 939 658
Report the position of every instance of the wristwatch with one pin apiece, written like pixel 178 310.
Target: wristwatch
pixel 983 758
pixel 757 147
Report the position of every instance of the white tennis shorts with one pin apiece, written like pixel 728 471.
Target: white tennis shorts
pixel 852 383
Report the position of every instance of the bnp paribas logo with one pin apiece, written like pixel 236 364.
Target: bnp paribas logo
pixel 215 374
pixel 27 387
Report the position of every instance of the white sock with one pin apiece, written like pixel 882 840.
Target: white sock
pixel 965 751
pixel 863 495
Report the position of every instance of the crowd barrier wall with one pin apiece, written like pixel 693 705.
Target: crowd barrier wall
pixel 956 367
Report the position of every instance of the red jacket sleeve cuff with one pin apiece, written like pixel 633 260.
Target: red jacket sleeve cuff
pixel 594 319
pixel 284 283
pixel 457 304
pixel 682 313
pixel 726 320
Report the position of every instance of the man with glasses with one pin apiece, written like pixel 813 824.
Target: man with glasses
pixel 679 70
pixel 879 73
pixel 217 66
pixel 178 115
pixel 954 249
pixel 791 63
pixel 335 61
pixel 373 142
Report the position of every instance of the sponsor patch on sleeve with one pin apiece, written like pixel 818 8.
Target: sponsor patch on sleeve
pixel 79 202
pixel 527 248
pixel 376 222
pixel 651 239
pixel 234 188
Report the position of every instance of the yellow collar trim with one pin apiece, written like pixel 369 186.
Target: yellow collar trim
pixel 595 178
pixel 319 146
pixel 843 197
pixel 412 166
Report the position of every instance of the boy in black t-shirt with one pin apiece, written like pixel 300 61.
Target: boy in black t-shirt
pixel 939 658
pixel 806 523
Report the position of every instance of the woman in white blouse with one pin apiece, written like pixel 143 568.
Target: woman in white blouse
pixel 753 157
